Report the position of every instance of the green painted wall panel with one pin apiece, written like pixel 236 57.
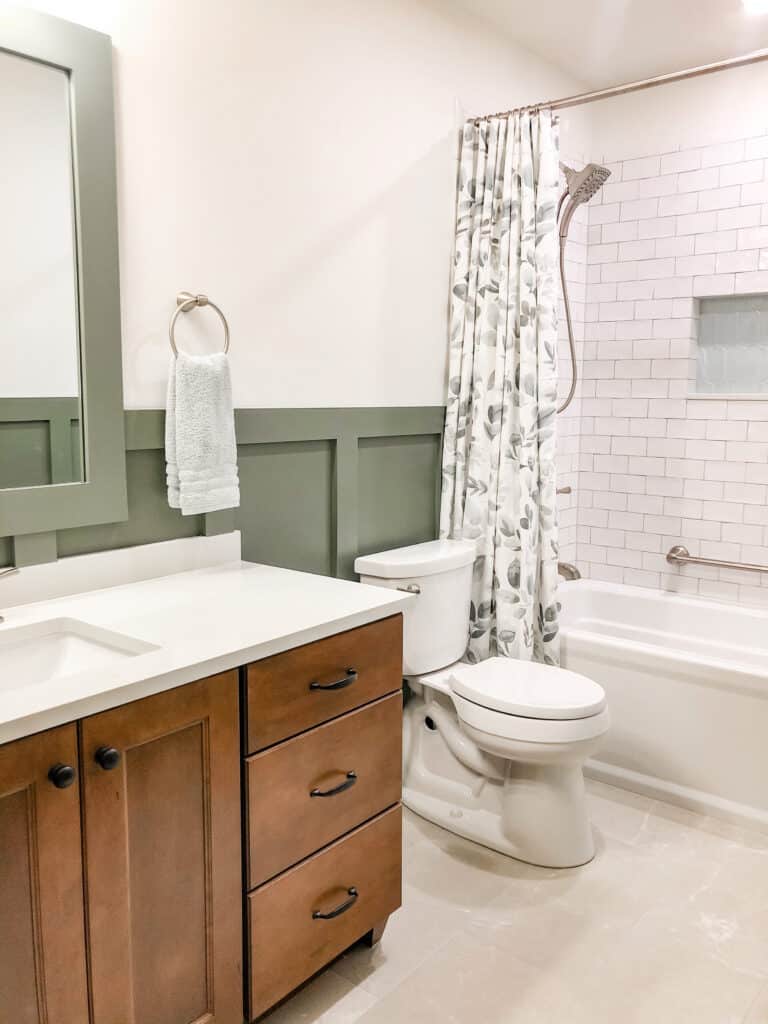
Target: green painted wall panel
pixel 317 487
pixel 149 517
pixel 25 459
pixel 397 492
pixel 286 504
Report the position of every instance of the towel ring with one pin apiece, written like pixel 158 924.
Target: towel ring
pixel 186 301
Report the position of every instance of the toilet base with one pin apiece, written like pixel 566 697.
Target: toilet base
pixel 533 812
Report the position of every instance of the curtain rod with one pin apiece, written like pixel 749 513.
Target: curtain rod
pixel 643 83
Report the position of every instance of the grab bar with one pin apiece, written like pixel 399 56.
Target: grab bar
pixel 680 555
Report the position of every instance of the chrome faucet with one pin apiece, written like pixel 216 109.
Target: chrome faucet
pixel 10 571
pixel 568 571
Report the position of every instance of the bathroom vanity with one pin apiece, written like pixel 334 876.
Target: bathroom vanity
pixel 192 837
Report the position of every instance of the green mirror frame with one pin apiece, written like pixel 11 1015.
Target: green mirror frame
pixel 86 56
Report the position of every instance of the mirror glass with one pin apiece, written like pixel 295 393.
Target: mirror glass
pixel 40 394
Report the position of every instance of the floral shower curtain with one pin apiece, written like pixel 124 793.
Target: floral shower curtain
pixel 498 485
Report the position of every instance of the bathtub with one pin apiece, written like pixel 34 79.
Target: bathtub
pixel 687 686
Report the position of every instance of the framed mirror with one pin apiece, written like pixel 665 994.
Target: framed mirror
pixel 62 450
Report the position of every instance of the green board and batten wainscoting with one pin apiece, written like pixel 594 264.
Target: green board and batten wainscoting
pixel 318 486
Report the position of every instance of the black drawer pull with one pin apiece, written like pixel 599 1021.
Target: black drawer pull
pixel 340 684
pixel 348 783
pixel 318 915
pixel 62 775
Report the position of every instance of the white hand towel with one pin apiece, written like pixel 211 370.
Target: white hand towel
pixel 200 447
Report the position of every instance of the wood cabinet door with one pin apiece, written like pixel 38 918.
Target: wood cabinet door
pixel 163 857
pixel 42 920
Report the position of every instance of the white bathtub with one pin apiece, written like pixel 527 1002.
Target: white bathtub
pixel 687 686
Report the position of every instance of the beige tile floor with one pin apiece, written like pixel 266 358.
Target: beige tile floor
pixel 668 925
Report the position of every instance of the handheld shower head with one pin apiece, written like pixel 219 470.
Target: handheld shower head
pixel 583 184
pixel 581 187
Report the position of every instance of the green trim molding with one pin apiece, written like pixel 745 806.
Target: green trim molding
pixel 86 56
pixel 318 487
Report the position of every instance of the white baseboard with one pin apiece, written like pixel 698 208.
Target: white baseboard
pixel 681 796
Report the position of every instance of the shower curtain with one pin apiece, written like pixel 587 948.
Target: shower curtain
pixel 498 482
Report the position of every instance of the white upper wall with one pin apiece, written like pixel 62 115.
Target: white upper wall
pixel 296 162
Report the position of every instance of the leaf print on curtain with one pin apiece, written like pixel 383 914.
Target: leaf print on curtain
pixel 498 482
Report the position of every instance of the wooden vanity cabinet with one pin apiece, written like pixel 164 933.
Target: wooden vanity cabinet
pixel 135 841
pixel 161 792
pixel 42 919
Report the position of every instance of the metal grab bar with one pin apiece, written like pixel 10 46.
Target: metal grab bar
pixel 680 555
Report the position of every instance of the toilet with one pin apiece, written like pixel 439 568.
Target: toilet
pixel 494 751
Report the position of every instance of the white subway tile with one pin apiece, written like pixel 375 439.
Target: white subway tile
pixel 632 330
pixel 639 250
pixel 751 411
pixel 651 348
pixel 668 368
pixel 711 490
pixel 628 290
pixel 619 271
pixel 648 428
pixel 752 282
pixel 742 173
pixel 628 445
pixel 722 153
pixel 647 167
pixel 633 407
pixel 603 292
pixel 639 209
pixel 758 432
pixel 625 231
pixel 746 451
pixel 640 541
pixel 651 269
pixel 685 160
pixel 719 198
pixel 688 429
pixel 725 471
pixel 665 486
pixel 708 409
pixel 662 524
pixel 723 511
pixel 757 148
pixel 617 311
pixel 726 430
pixel 739 217
pixel 717 241
pixel 733 262
pixel 607 213
pixel 657 227
pixel 749 494
pixel 666 447
pixel 689 266
pixel 753 238
pixel 682 245
pixel 627 368
pixel 602 254
pixel 650 504
pixel 610 500
pixel 684 203
pixel 690 508
pixel 667 408
pixel 662 185
pixel 714 284
pixel 673 288
pixel 757 192
pixel 695 223
pixel 711 450
pixel 696 181
pixel 619 191
pixel 614 389
pixel 654 309
pixel 702 530
pixel 649 388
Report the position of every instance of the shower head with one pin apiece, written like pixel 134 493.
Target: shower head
pixel 583 184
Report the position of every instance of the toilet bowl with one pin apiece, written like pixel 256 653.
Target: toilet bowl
pixel 492 751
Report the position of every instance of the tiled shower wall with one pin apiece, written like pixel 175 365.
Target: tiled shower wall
pixel 652 467
pixel 569 422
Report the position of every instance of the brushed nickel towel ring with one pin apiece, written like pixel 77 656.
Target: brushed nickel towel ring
pixel 186 301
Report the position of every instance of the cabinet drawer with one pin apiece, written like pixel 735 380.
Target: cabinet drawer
pixel 298 689
pixel 287 944
pixel 355 760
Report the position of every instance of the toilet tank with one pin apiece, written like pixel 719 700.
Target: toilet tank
pixel 436 626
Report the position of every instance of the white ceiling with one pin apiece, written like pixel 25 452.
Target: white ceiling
pixel 606 42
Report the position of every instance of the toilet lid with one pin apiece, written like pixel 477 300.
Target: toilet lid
pixel 528 689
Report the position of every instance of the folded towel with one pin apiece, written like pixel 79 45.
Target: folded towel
pixel 200 447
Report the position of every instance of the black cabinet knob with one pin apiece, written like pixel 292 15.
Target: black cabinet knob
pixel 62 775
pixel 107 758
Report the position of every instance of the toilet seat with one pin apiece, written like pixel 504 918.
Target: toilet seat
pixel 525 689
pixel 530 730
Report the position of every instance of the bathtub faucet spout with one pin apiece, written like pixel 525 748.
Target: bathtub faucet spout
pixel 568 571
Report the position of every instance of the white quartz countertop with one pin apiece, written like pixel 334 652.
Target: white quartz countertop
pixel 203 622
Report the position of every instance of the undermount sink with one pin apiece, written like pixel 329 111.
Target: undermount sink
pixel 56 648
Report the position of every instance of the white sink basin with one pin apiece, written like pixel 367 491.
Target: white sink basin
pixel 56 648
